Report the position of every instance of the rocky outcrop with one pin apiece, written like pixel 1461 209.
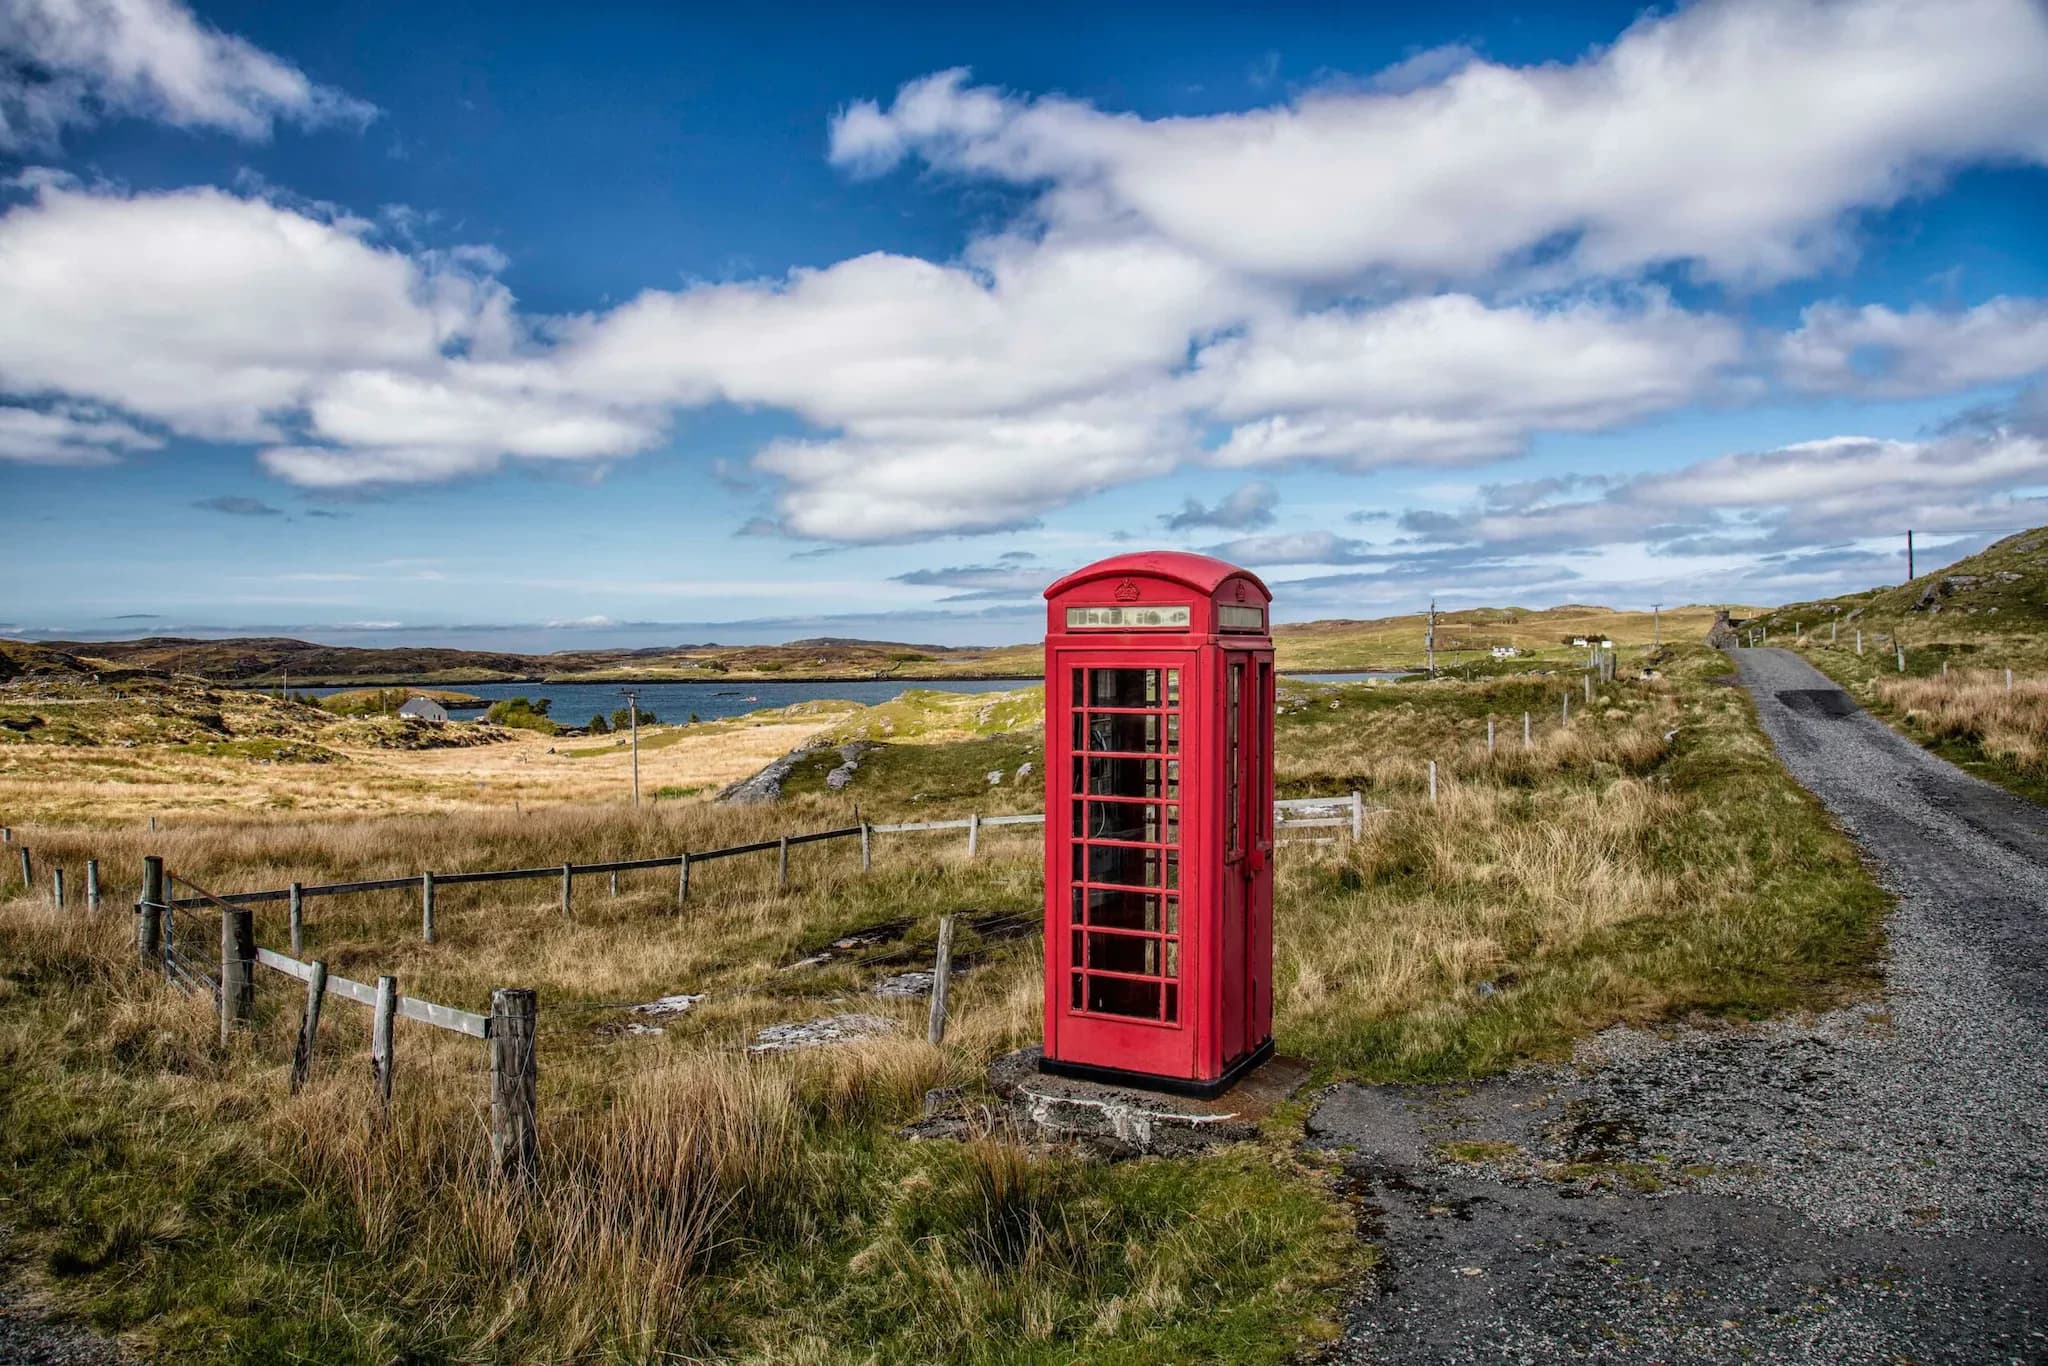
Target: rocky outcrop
pixel 1721 635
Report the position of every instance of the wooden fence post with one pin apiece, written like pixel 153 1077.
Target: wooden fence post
pixel 1489 737
pixel 973 832
pixel 615 882
pixel 309 1025
pixel 6 834
pixel 2008 680
pixel 1525 730
pixel 57 887
pixel 1902 655
pixel 867 856
pixel 682 881
pixel 1588 680
pixel 298 918
pixel 92 884
pixel 566 875
pixel 1567 708
pixel 1432 780
pixel 1859 642
pixel 380 1037
pixel 942 972
pixel 1357 815
pixel 149 930
pixel 28 869
pixel 515 1147
pixel 782 862
pixel 237 970
pixel 427 908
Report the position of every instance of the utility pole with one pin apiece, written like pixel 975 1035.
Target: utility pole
pixel 1657 624
pixel 1429 639
pixel 633 723
pixel 1909 557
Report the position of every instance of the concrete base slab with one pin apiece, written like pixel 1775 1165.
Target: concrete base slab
pixel 1124 1120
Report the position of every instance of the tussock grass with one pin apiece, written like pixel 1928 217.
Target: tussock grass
pixel 1973 707
pixel 1646 860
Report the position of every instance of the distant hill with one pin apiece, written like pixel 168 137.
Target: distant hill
pixel 2000 591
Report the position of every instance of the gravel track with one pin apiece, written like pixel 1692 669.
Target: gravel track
pixel 1867 1185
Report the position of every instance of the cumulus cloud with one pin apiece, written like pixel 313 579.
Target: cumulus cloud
pixel 1448 379
pixel 1876 350
pixel 1250 505
pixel 69 62
pixel 1733 135
pixel 67 434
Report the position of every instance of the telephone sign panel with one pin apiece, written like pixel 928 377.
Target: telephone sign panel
pixel 1159 823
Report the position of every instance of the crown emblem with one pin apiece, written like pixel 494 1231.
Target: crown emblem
pixel 1127 591
pixel 1240 590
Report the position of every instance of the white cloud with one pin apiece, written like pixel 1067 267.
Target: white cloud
pixel 1449 379
pixel 1248 505
pixel 67 435
pixel 1876 350
pixel 1734 134
pixel 67 62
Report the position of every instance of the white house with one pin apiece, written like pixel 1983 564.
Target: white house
pixel 424 709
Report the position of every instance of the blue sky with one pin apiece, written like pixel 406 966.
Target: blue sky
pixel 382 323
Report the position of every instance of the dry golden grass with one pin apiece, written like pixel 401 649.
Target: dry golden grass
pixel 1974 707
pixel 698 1201
pixel 105 785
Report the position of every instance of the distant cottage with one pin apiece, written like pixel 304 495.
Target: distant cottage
pixel 424 709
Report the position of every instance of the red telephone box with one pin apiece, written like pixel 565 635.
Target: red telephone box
pixel 1158 823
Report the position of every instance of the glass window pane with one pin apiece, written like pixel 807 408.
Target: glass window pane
pixel 1080 731
pixel 1172 1004
pixel 1231 706
pixel 1132 778
pixel 1122 821
pixel 1123 687
pixel 1124 953
pixel 1173 687
pixel 1120 996
pixel 1121 864
pixel 1173 958
pixel 1075 949
pixel 1173 731
pixel 1075 995
pixel 1117 909
pixel 1173 915
pixel 1131 734
pixel 1080 900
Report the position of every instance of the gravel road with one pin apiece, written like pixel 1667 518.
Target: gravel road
pixel 1868 1185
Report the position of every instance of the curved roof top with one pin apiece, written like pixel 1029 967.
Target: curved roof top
pixel 1203 573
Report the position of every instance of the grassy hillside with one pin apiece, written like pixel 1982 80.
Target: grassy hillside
pixel 1645 860
pixel 1960 629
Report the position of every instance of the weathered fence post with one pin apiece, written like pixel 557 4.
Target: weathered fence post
pixel 298 918
pixel 867 855
pixel 92 884
pixel 237 970
pixel 1944 668
pixel 973 832
pixel 152 825
pixel 615 882
pixel 1525 730
pixel 427 908
pixel 1901 649
pixel 515 1147
pixel 566 876
pixel 782 862
pixel 1588 681
pixel 309 1025
pixel 1567 708
pixel 1859 642
pixel 1489 737
pixel 682 881
pixel 1831 631
pixel 942 972
pixel 1357 815
pixel 57 887
pixel 28 869
pixel 380 1036
pixel 2008 680
pixel 149 929
pixel 6 834
pixel 1432 780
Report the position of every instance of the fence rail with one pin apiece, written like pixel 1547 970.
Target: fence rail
pixel 409 1007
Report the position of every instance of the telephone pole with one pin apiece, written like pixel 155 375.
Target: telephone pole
pixel 1429 638
pixel 1657 624
pixel 1909 557
pixel 633 723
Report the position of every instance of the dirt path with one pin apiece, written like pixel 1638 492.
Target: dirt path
pixel 1869 1185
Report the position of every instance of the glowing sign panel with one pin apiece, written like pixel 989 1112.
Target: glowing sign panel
pixel 1230 618
pixel 1168 618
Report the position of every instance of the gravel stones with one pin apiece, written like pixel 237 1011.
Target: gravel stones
pixel 821 1033
pixel 1870 1184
